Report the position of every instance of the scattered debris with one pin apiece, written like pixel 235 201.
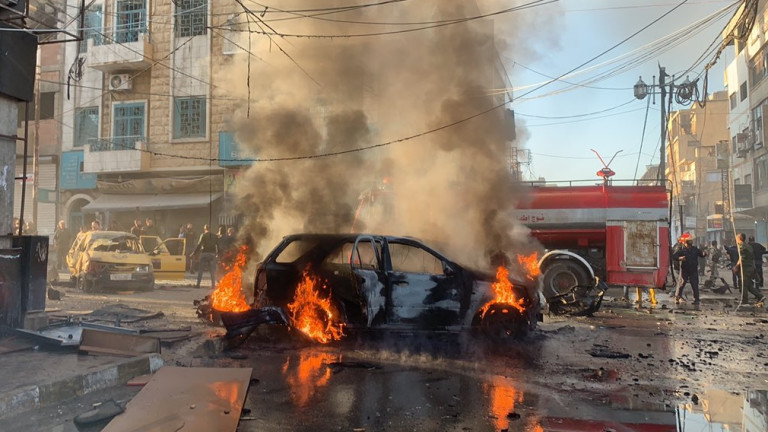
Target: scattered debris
pixel 139 381
pixel 98 417
pixel 54 294
pixel 13 344
pixel 603 351
pixel 338 366
pixel 118 313
pixel 101 342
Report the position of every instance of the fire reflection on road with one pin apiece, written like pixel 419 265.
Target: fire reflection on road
pixel 502 398
pixel 308 374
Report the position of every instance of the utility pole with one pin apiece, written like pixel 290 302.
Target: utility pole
pixel 662 175
pixel 36 147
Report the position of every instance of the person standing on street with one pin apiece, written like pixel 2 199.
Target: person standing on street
pixel 759 251
pixel 688 256
pixel 702 260
pixel 137 229
pixel 207 247
pixel 746 266
pixel 62 241
pixel 733 259
pixel 714 259
pixel 150 229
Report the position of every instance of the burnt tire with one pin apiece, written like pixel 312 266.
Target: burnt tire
pixel 504 322
pixel 561 276
pixel 84 285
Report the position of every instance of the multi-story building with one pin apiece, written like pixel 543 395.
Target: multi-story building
pixel 694 134
pixel 142 93
pixel 43 131
pixel 747 85
pixel 148 127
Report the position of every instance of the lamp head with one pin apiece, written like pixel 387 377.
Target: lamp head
pixel 641 89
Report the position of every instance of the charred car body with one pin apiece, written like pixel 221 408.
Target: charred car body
pixel 396 283
pixel 109 259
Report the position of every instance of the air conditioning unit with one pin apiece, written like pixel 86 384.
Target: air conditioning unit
pixel 119 82
pixel 741 152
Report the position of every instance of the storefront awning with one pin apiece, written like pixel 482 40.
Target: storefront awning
pixel 116 202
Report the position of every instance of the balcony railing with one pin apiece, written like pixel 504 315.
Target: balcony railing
pixel 116 143
pixel 120 49
pixel 116 154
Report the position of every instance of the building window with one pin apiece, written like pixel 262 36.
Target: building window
pixel 229 35
pixel 130 20
pixel 733 99
pixel 47 105
pixel 189 117
pixel 743 91
pixel 191 17
pixel 758 66
pixel 757 126
pixel 93 22
pixel 761 173
pixel 127 126
pixel 86 126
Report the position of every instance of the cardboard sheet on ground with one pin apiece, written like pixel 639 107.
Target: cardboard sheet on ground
pixel 186 399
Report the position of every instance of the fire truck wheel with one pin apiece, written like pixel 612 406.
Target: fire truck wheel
pixel 561 276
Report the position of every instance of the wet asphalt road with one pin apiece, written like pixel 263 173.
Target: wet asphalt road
pixel 625 369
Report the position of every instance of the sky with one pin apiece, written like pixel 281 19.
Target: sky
pixel 562 129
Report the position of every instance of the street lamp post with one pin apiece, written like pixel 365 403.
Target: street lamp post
pixel 685 93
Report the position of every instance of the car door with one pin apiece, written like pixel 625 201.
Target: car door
pixel 424 291
pixel 367 265
pixel 168 259
pixel 73 256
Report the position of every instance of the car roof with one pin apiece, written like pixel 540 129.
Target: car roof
pixel 109 234
pixel 335 237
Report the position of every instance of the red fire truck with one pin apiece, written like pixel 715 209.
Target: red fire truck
pixel 595 236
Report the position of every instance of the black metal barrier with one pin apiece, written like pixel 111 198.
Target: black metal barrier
pixel 11 313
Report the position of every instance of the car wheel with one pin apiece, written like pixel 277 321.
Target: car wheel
pixel 560 277
pixel 84 285
pixel 503 322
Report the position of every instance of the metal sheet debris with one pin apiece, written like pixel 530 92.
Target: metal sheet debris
pixel 13 344
pixel 104 342
pixel 66 335
pixel 186 399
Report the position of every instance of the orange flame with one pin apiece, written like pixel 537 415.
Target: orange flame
pixel 313 315
pixel 530 263
pixel 503 292
pixel 310 374
pixel 229 296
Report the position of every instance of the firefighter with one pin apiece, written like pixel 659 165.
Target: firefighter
pixel 688 257
pixel 746 266
pixel 651 296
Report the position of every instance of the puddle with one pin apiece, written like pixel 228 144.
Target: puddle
pixel 721 410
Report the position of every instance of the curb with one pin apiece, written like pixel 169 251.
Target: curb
pixel 55 391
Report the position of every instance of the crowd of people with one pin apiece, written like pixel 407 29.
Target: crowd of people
pixel 207 252
pixel 744 260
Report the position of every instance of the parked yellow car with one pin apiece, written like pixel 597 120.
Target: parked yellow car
pixel 168 259
pixel 110 259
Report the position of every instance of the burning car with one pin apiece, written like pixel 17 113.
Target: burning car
pixel 110 259
pixel 330 283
